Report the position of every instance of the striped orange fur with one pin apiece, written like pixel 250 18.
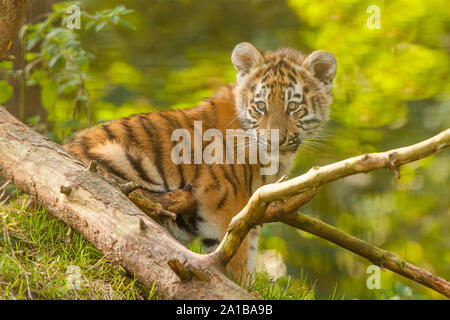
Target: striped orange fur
pixel 282 90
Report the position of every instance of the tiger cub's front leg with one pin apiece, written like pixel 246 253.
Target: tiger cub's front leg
pixel 221 191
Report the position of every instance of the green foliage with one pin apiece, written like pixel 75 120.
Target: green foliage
pixel 57 62
pixel 5 88
pixel 5 91
pixel 197 246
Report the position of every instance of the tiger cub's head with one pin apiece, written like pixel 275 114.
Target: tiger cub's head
pixel 283 90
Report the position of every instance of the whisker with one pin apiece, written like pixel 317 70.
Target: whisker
pixel 234 118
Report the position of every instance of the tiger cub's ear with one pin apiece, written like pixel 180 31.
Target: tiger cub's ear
pixel 323 66
pixel 245 57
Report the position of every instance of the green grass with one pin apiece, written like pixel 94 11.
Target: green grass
pixel 262 285
pixel 38 260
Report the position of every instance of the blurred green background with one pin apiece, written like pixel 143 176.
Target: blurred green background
pixel 391 90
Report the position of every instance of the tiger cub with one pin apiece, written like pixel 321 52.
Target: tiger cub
pixel 282 90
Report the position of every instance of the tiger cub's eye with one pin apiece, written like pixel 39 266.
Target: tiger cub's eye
pixel 261 106
pixel 293 107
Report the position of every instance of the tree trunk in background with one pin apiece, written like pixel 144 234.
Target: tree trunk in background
pixel 26 101
pixel 12 14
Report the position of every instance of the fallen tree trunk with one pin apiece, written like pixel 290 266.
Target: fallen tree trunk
pixel 59 182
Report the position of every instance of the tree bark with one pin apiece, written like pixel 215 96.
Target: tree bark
pixel 59 182
pixel 12 14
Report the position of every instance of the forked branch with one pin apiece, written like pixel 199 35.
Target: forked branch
pixel 279 202
pixel 254 212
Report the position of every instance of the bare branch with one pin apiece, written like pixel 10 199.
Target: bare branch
pixel 377 256
pixel 278 202
pixel 270 202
